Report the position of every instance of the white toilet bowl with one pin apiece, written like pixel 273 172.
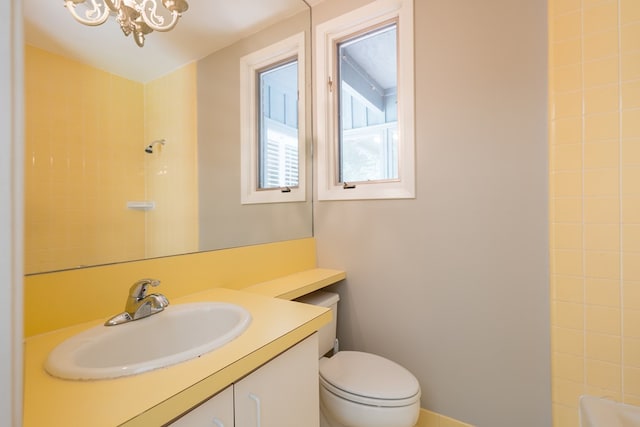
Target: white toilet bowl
pixel 365 390
pixel 362 389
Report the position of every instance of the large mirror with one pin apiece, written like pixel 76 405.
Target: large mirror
pixel 134 152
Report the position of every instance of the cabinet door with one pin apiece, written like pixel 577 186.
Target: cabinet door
pixel 215 412
pixel 283 392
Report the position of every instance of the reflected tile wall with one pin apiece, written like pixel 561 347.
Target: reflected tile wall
pixel 84 160
pixel 172 170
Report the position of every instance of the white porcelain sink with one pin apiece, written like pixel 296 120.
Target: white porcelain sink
pixel 179 333
pixel 600 412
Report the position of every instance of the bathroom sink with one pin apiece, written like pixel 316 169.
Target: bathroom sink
pixel 179 333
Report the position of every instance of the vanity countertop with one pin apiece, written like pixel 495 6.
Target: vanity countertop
pixel 155 397
pixel 298 284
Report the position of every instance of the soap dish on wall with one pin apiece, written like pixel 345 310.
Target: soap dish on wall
pixel 141 205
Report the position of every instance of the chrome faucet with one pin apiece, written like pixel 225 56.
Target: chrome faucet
pixel 139 304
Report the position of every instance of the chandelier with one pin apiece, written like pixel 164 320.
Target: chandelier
pixel 137 17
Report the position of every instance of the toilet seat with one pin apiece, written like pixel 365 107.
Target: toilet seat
pixel 368 379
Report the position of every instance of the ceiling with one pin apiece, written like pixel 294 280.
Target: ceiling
pixel 207 26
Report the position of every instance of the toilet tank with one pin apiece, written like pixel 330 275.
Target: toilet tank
pixel 326 334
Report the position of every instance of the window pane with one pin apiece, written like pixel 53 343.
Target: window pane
pixel 278 116
pixel 368 112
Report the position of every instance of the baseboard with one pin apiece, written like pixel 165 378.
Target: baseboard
pixel 432 419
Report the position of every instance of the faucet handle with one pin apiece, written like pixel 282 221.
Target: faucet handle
pixel 139 289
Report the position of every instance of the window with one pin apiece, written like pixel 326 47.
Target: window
pixel 272 123
pixel 278 128
pixel 365 109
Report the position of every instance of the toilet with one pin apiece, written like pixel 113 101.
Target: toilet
pixel 361 389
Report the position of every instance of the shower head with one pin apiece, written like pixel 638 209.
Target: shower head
pixel 149 148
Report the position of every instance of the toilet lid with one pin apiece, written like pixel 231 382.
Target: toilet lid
pixel 368 376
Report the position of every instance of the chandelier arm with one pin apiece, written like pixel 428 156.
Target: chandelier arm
pixel 114 5
pixel 95 20
pixel 155 21
pixel 125 22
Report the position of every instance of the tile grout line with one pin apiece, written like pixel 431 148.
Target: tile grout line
pixel 582 170
pixel 620 203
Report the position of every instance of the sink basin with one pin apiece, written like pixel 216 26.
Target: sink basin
pixel 179 333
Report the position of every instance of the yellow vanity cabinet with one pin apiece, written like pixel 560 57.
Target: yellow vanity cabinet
pixel 283 392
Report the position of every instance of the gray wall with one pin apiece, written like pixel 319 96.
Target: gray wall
pixel 223 221
pixel 454 284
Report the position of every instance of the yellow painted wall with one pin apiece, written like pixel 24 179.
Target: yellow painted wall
pixel 594 78
pixel 60 299
pixel 83 160
pixel 86 130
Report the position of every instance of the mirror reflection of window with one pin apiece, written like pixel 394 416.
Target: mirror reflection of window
pixel 272 123
pixel 278 127
pixel 367 105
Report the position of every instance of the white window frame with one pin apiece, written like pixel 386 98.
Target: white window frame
pixel 249 122
pixel 327 34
